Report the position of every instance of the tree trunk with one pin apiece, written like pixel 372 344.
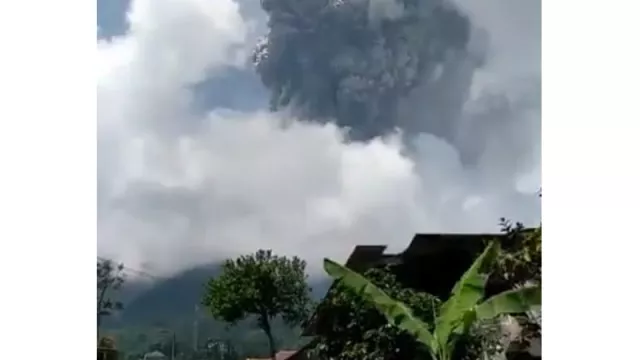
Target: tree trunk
pixel 98 330
pixel 266 326
pixel 103 291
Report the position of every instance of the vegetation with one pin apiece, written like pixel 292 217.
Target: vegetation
pixel 107 342
pixel 240 292
pixel 518 265
pixel 263 286
pixel 520 261
pixel 110 279
pixel 456 315
pixel 153 312
pixel 107 349
pixel 357 331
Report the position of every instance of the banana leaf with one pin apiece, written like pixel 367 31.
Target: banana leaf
pixel 510 302
pixel 395 311
pixel 456 313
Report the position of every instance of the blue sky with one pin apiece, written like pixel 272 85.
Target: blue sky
pixel 238 89
pixel 112 17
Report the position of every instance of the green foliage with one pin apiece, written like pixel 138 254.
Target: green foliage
pixel 263 285
pixel 518 265
pixel 107 342
pixel 456 315
pixel 110 279
pixel 484 340
pixel 520 259
pixel 455 319
pixel 245 337
pixel 107 348
pixel 356 330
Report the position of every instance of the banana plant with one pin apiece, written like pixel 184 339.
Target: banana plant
pixel 457 313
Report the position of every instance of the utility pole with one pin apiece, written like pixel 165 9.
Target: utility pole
pixel 173 346
pixel 195 330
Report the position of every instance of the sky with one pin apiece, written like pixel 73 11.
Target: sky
pixel 194 168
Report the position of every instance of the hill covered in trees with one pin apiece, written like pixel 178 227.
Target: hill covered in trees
pixel 153 312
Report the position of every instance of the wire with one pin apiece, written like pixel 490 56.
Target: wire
pixel 136 271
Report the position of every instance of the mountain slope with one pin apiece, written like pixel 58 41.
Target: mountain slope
pixel 176 298
pixel 169 299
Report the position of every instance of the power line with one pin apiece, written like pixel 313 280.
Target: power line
pixel 136 271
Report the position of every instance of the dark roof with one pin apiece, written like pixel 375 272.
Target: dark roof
pixel 430 245
pixel 435 243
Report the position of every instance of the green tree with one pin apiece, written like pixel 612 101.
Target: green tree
pixel 355 330
pixel 260 285
pixel 519 264
pixel 110 279
pixel 107 349
pixel 519 260
pixel 456 316
pixel 107 342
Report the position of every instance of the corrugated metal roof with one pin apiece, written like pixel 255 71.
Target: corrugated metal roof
pixel 155 355
pixel 280 355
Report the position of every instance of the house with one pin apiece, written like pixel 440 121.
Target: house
pixel 285 355
pixel 431 263
pixel 154 355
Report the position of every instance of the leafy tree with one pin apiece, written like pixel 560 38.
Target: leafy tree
pixel 260 285
pixel 519 264
pixel 520 258
pixel 456 315
pixel 110 279
pixel 355 330
pixel 107 349
pixel 107 342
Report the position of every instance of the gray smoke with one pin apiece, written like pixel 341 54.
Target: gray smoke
pixel 357 62
pixel 185 181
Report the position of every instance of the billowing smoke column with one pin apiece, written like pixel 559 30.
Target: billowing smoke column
pixel 179 188
pixel 354 61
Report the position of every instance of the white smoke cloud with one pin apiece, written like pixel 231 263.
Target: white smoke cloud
pixel 177 189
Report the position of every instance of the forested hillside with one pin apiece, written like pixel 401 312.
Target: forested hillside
pixel 153 312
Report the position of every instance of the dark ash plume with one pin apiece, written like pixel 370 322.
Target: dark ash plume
pixel 353 61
